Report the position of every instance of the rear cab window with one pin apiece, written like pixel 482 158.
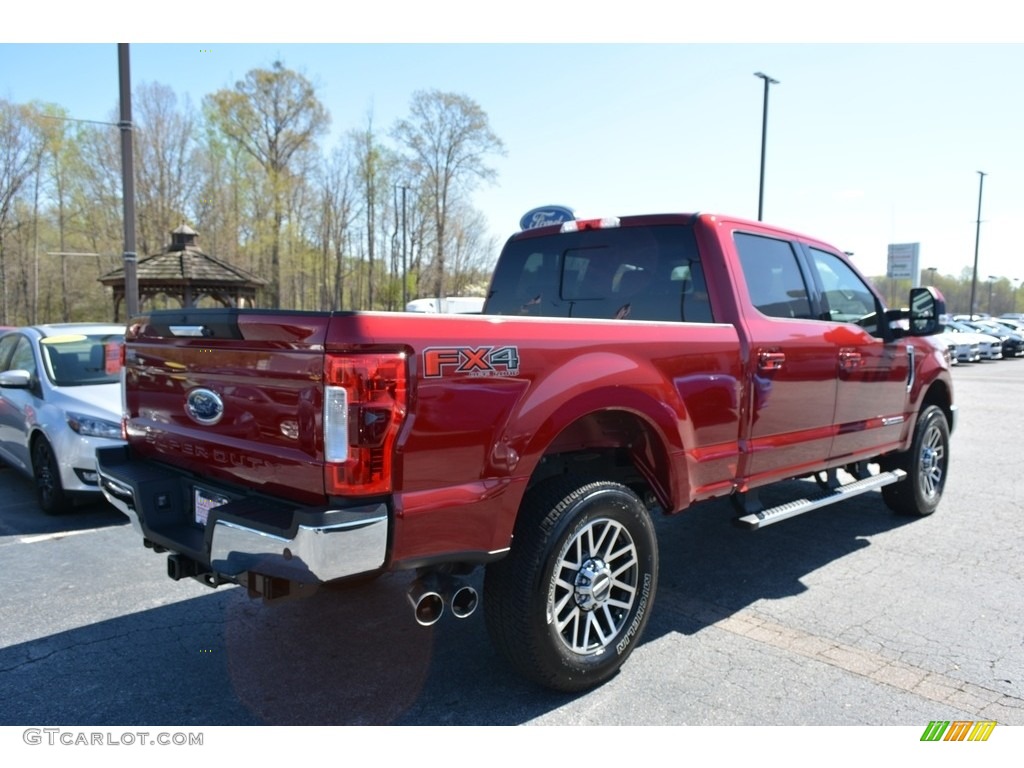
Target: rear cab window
pixel 639 272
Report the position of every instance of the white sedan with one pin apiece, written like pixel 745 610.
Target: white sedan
pixel 961 348
pixel 991 347
pixel 60 399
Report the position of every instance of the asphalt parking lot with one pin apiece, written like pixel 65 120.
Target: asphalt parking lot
pixel 846 616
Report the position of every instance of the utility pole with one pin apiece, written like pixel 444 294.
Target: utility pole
pixel 131 280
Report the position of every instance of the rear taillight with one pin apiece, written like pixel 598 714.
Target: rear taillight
pixel 124 391
pixel 364 405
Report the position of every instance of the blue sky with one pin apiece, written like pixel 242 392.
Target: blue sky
pixel 869 141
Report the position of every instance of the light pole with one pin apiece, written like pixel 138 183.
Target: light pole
pixel 764 136
pixel 1016 285
pixel 977 236
pixel 931 274
pixel 991 280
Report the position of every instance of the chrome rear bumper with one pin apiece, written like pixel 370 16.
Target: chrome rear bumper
pixel 247 534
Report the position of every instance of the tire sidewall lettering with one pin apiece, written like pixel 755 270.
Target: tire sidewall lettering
pixel 638 618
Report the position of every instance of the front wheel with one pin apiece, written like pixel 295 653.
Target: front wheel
pixel 926 465
pixel 568 604
pixel 49 490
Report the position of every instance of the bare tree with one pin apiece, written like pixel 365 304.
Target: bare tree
pixel 21 152
pixel 376 167
pixel 473 252
pixel 165 163
pixel 448 138
pixel 62 166
pixel 98 193
pixel 367 155
pixel 337 200
pixel 274 115
pixel 299 255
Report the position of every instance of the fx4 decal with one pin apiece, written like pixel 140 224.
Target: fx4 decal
pixel 471 361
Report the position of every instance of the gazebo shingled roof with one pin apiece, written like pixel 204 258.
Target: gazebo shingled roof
pixel 183 271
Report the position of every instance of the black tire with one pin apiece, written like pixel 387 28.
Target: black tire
pixel 49 490
pixel 570 601
pixel 926 465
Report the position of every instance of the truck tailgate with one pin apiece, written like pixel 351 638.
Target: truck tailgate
pixel 233 397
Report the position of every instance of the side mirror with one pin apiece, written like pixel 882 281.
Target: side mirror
pixel 16 379
pixel 927 306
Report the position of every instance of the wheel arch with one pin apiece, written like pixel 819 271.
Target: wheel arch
pixel 34 437
pixel 621 431
pixel 940 394
pixel 51 493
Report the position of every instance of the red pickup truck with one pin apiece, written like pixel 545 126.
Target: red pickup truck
pixel 621 368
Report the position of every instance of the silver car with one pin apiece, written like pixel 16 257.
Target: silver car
pixel 60 400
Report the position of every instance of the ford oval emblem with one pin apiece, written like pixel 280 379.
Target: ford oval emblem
pixel 204 406
pixel 545 216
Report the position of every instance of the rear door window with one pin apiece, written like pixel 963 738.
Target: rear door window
pixel 775 283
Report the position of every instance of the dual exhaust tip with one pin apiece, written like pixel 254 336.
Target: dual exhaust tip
pixel 429 594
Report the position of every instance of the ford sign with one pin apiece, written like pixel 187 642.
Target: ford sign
pixel 204 406
pixel 546 215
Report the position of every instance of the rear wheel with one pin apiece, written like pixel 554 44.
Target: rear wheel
pixel 926 465
pixel 568 604
pixel 49 490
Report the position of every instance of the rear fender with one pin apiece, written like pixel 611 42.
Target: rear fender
pixel 616 417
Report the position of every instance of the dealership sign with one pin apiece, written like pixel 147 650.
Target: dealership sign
pixel 903 260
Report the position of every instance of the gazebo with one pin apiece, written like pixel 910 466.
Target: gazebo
pixel 183 272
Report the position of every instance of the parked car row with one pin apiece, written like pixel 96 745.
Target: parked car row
pixel 989 338
pixel 60 399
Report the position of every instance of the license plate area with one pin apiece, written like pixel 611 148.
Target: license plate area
pixel 203 502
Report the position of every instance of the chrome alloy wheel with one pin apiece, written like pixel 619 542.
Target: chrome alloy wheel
pixel 932 464
pixel 593 586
